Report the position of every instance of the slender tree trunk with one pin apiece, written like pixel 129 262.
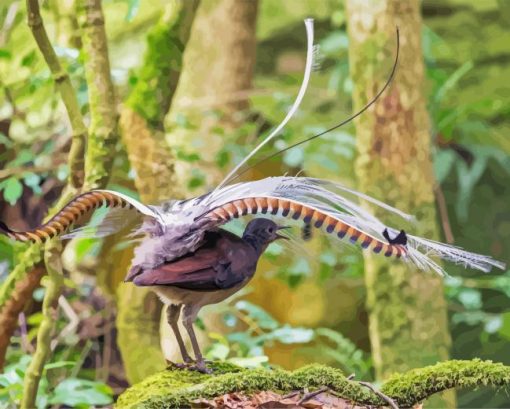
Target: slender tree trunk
pixel 139 310
pixel 103 134
pixel 407 308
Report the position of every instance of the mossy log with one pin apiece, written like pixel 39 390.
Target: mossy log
pixel 179 388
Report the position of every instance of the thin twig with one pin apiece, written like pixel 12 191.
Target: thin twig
pixel 10 19
pixel 443 213
pixel 384 397
pixel 74 321
pixel 313 394
pixel 49 311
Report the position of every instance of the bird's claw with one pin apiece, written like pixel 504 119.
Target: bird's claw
pixel 201 367
pixel 192 366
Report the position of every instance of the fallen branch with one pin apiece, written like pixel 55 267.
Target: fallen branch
pixel 387 399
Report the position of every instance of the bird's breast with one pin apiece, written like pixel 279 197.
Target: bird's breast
pixel 175 296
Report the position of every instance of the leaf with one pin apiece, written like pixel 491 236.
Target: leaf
pixel 5 54
pixel 12 190
pixel 443 163
pixel 32 180
pixel 249 362
pixel 59 364
pixel 28 59
pixel 263 319
pixel 294 157
pixel 467 179
pixel 23 157
pixel 218 351
pixel 452 81
pixel 133 6
pixel 74 392
pixel 504 330
pixel 290 335
pixel 470 298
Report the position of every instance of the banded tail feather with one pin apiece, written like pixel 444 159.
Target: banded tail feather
pixel 309 215
pixel 71 213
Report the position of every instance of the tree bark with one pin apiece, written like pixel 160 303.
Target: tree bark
pixel 139 310
pixel 407 309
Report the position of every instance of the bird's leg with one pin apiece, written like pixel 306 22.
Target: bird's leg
pixel 189 315
pixel 172 314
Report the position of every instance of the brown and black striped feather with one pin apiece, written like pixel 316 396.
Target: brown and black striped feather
pixel 309 215
pixel 70 214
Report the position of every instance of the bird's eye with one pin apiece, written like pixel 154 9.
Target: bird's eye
pixel 270 230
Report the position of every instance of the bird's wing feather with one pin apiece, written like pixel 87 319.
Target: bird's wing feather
pixel 326 204
pixel 211 267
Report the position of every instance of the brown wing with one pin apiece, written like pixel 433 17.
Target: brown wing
pixel 216 265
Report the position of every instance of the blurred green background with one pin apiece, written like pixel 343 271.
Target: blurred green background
pixel 305 308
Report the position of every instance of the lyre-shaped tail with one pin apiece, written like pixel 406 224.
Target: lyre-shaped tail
pixel 72 212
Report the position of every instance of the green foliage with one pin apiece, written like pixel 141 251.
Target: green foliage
pixel 73 392
pixel 246 347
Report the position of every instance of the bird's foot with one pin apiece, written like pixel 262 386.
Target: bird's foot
pixel 181 365
pixel 201 367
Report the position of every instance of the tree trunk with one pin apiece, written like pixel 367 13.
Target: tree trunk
pixel 407 310
pixel 218 70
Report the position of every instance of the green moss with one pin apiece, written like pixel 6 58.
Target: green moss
pixel 158 77
pixel 416 385
pixel 176 388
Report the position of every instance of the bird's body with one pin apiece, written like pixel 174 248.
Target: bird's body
pixel 221 265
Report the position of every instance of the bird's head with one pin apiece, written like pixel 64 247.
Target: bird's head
pixel 263 231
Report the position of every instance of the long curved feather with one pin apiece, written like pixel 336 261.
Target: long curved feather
pixel 293 109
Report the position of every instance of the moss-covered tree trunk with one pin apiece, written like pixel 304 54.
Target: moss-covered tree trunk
pixel 139 310
pixel 407 308
pixel 218 67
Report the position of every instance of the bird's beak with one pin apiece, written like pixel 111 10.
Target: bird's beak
pixel 279 236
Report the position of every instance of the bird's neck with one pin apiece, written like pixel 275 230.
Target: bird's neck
pixel 255 242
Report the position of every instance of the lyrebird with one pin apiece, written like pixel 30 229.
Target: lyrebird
pixel 190 261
